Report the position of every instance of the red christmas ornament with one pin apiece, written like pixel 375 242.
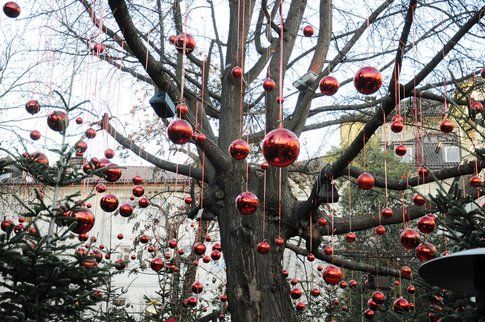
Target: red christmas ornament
pixel 107 256
pixel 475 181
pixel 133 257
pixel 269 85
pixel 372 305
pixel 365 181
pixel 332 275
pixel 343 284
pixel 310 257
pixel 397 125
pixel 423 172
pixel 109 153
pixel 294 281
pixel 351 237
pixel 280 100
pixel 281 147
pixel 237 72
pixel 329 85
pixel 215 255
pixel 411 289
pixel 21 220
pixel 84 219
pixel 39 158
pixel 418 200
pixel 427 224
pixel 198 248
pixel 247 203
pixel 120 236
pixel 367 80
pixel 81 146
pixel 285 273
pixel 223 298
pixel 197 287
pixel 172 39
pixel 137 180
pixel 152 248
pixel 300 306
pixel 322 222
pixel 112 172
pixel 143 202
pixel 378 297
pixel 98 48
pixel 369 314
pixel 239 149
pixel 182 110
pixel 58 121
pixel 172 243
pixel 7 225
pixel 35 135
pixel 199 137
pixel 109 203
pixel 295 293
pixel 11 9
pixel 400 305
pixel 82 237
pixel 144 239
pixel 138 191
pixel 181 252
pixel 353 283
pixel 18 228
pixel 380 230
pixel 126 210
pixel 315 292
pixel 425 252
pixel 477 106
pixel 263 247
pixel 206 259
pixel 308 31
pixel 79 120
pixel 406 271
pixel 447 126
pixel 328 250
pixel 401 150
pixel 217 246
pixel 184 43
pixel 32 107
pixel 90 133
pixel 120 264
pixel 409 239
pixel 179 131
pixel 188 200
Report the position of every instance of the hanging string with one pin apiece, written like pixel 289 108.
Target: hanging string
pixel 280 90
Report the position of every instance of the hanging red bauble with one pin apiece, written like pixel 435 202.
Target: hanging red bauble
pixel 156 264
pixel 365 181
pixel 223 298
pixel 137 180
pixel 32 106
pixel 269 85
pixel 138 191
pixel 294 281
pixel 410 239
pixel 198 248
pixel 82 237
pixel 215 255
pixel 353 283
pixel 172 39
pixel 310 257
pixel 351 237
pixel 332 275
pixel 120 264
pixel 380 230
pixel 295 293
pixel 315 292
pixel 411 289
pixel 184 43
pixel 39 157
pixel 206 259
pixel 97 255
pixel 372 305
pixel 329 85
pixel 107 256
pixel 109 203
pixel 280 100
pixel 172 243
pixel 322 222
pixel 133 257
pixel 378 297
pixel 400 305
pixel 120 236
pixel 308 31
pixel 35 135
pixel 112 172
pixel 369 314
pixel 188 200
pixel 21 220
pixel 281 147
pixel 182 110
pixel 98 48
pixel 18 228
pixel 279 241
pixel 476 181
pixel 81 146
pixel 143 202
pixel 477 106
pixel 328 250
pixel 396 124
pixel 300 306
pixel 400 150
pixel 179 131
pixel 239 149
pixel 367 80
pixel 342 284
pixel 11 9
pixel 90 133
pixel 79 120
pixel 423 172
pixel 237 72
pixel 247 203
pixel 7 225
pixel 406 271
pixel 144 239
pixel 199 137
pixel 109 153
pixel 285 273
pixel 418 200
pixel 84 219
pixel 263 247
pixel 427 224
pixel 197 287
pixel 217 246
pixel 58 121
pixel 425 251
pixel 126 210
pixel 152 248
pixel 447 126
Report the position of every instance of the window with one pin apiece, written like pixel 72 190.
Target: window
pixel 119 301
pixel 452 154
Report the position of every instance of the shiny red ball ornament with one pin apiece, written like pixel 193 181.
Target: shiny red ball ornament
pixel 109 203
pixel 120 236
pixel 199 248
pixel 285 273
pixel 32 106
pixel 237 72
pixel 79 120
pixel 369 314
pixel 35 135
pixel 144 239
pixel 279 241
pixel 197 287
pixel 18 228
pixel 156 264
pixel 281 147
pixel 172 39
pixel 477 106
pixel 58 121
pixel 308 31
pixel 332 275
pixel 365 181
pixel 476 181
pixel 280 99
pixel 82 237
pixel 320 268
pixel 263 248
pixel 107 256
pixel 310 257
pixel 199 137
pixel 138 191
pixel 353 283
pixel 217 246
pixel 269 85
pixel 425 252
pixel 400 305
pixel 342 284
pixel 397 283
pixel 447 126
pixel 90 133
pixel 372 305
pixel 112 173
pixel 351 237
pixel 411 289
pixel 367 80
pixel 172 243
pixel 120 264
pixel 133 257
pixel 84 219
pixel 223 298
pixel 247 203
pixel 294 281
pixel 418 200
pixel 427 224
pixel 206 259
pixel 380 230
pixel 315 292
pixel 126 210
pixel 39 157
pixel 137 180
pixel 184 43
pixel 328 250
pixel 409 239
pixel 182 110
pixel 188 200
pixel 7 225
pixel 152 248
pixel 400 150
pixel 21 220
pixel 109 153
pixel 300 306
pixel 397 125
pixel 239 149
pixel 179 131
pixel 423 172
pixel 378 297
pixel 11 9
pixel 81 146
pixel 322 222
pixel 295 293
pixel 216 255
pixel 143 202
pixel 98 48
pixel 406 271
pixel 329 85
